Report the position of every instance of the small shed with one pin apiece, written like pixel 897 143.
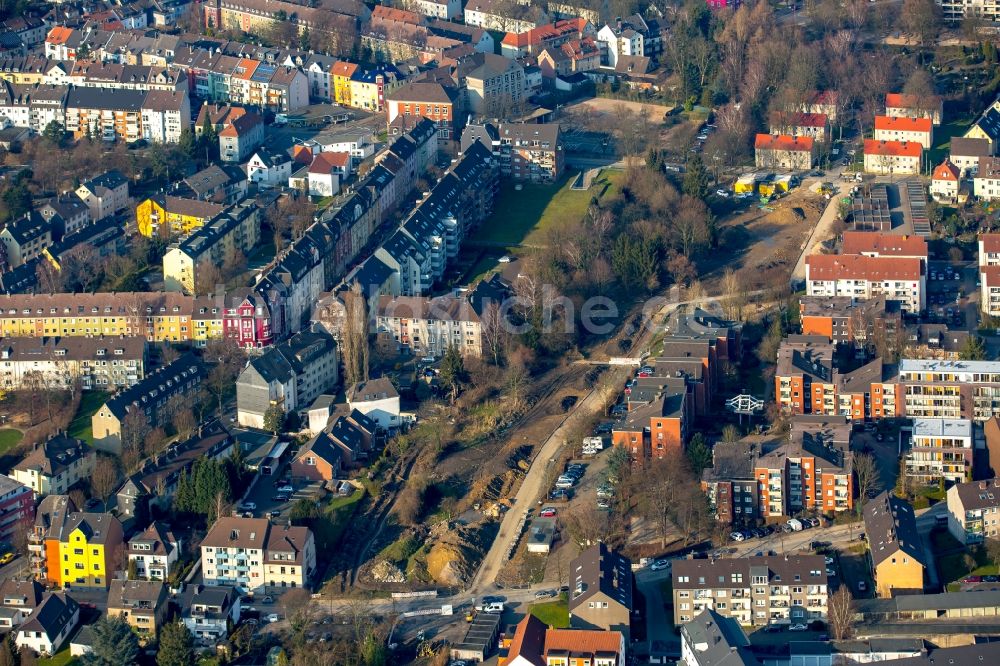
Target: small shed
pixel 541 534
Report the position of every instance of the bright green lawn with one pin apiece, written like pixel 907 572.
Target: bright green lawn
pixel 525 215
pixel 9 438
pixel 553 613
pixel 63 658
pixel 942 138
pixel 89 404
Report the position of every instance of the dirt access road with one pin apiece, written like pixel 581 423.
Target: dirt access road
pixel 610 106
pixel 532 485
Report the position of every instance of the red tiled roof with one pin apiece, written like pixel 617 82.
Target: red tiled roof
pixel 529 641
pixel 302 154
pixel 828 267
pixel 990 275
pixel 59 35
pixel 991 242
pixel 903 124
pixel 783 142
pixel 884 245
pixel 587 641
pixel 799 119
pixel 897 148
pixel 384 13
pixel 903 101
pixel 824 97
pixel 543 32
pixel 946 171
pixel 342 68
pixel 327 161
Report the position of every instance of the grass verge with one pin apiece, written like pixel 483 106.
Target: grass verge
pixel 89 404
pixel 9 438
pixel 553 613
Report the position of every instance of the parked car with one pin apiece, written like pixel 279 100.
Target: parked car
pixel 797 627
pixel 816 545
pixel 659 565
pixel 829 561
pixel 862 586
pixel 565 482
pixel 772 629
pixel 286 489
pixel 273 617
pixel 603 504
pixel 831 573
pixel 545 594
pixel 972 579
pixel 506 259
pixel 548 512
pixel 737 536
pixel 249 506
pixel 722 193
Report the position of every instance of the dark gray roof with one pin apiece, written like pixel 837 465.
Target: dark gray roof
pixel 179 371
pixel 731 461
pixel 28 227
pixel 978 494
pixel 891 527
pixel 717 641
pixel 51 617
pixel 600 569
pixel 967 147
pixel 115 99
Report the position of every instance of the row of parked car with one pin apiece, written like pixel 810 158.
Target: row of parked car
pixel 793 525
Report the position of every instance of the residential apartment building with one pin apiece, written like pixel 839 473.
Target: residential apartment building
pixel 495 85
pixel 174 215
pixel 209 611
pixel 255 556
pixel 658 426
pixel 290 375
pixel 105 195
pixel 50 517
pixel 154 552
pixel 26 237
pixel 755 591
pixel 710 639
pixel 441 104
pixel 846 320
pixel 531 152
pixel 782 151
pixel 87 553
pixel 148 398
pixel 143 604
pixel 69 209
pixel 504 18
pixel 900 279
pixel 240 138
pixel 901 105
pixel 534 643
pixel 233 233
pixel 94 363
pixel 814 125
pixel 950 389
pixel 895 546
pixel 905 129
pixel 954 11
pixel 965 153
pixel 601 591
pixel 17 507
pixel 989 273
pixel 427 327
pixel 804 377
pixel 941 450
pixel 532 42
pixel 812 472
pixel 55 465
pixel 986 183
pixel 731 484
pixel 898 158
pixel 974 511
pixel 50 625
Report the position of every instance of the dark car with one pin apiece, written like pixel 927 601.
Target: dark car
pixel 603 428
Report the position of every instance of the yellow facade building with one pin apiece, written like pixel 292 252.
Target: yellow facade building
pixel 178 215
pixel 157 316
pixel 894 545
pixel 91 548
pixel 341 73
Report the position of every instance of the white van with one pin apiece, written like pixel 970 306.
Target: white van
pixel 494 607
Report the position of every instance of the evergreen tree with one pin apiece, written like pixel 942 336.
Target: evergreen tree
pixel 54 133
pixel 453 374
pixel 8 653
pixel 698 453
pixel 114 643
pixel 274 419
pixel 696 178
pixel 187 144
pixel 973 349
pixel 176 646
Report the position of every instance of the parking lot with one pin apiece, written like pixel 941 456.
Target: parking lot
pixel 273 496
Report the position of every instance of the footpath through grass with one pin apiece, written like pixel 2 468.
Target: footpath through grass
pixel 80 427
pixel 524 216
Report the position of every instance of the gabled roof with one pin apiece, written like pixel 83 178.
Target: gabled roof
pixel 893 148
pixel 52 616
pixel 891 527
pixel 830 267
pixel 946 171
pixel 327 162
pixel 904 101
pixel 883 245
pixel 783 142
pixel 903 124
pixel 600 569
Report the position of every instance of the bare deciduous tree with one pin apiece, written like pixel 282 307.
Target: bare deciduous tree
pixel 105 478
pixel 866 471
pixel 354 338
pixel 840 614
